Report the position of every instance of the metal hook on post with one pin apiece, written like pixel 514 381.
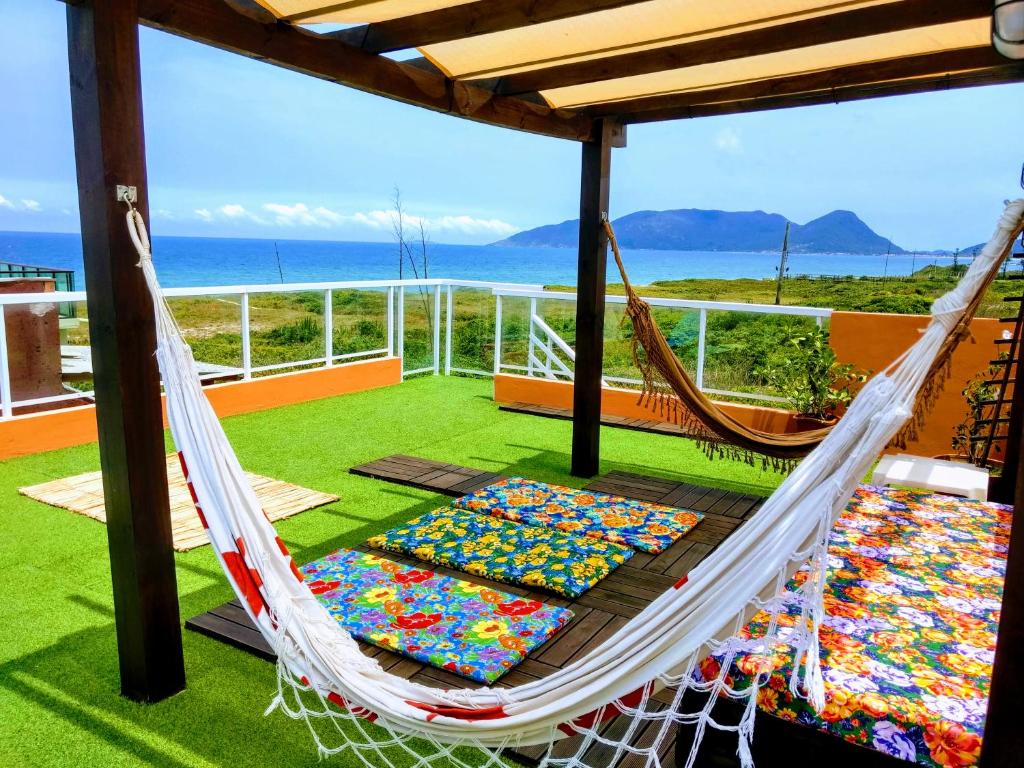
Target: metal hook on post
pixel 129 195
pixel 126 194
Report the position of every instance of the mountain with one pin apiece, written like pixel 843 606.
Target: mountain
pixel 692 229
pixel 971 250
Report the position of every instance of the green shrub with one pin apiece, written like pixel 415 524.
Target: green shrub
pixel 303 331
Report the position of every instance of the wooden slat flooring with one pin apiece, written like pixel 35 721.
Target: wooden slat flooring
pixel 83 494
pixel 607 420
pixel 598 613
pixel 427 475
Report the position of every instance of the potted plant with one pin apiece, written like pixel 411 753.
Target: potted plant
pixel 968 442
pixel 813 382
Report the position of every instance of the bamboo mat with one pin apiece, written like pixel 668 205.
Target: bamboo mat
pixel 83 494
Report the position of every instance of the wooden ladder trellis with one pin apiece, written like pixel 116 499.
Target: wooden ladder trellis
pixel 996 435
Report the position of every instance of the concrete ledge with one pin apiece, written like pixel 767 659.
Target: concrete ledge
pixel 35 433
pixel 625 402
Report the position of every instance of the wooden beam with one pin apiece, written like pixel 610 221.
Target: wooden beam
pixel 590 290
pixel 935 65
pixel 830 28
pixel 216 23
pixel 106 110
pixel 1013 73
pixel 467 20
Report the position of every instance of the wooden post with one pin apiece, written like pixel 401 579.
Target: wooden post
pixel 590 285
pixel 106 107
pixel 1003 745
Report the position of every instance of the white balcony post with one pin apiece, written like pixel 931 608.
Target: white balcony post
pixel 390 314
pixel 246 343
pixel 329 327
pixel 449 321
pixel 497 334
pixel 437 329
pixel 532 348
pixel 701 336
pixel 6 409
pixel 401 327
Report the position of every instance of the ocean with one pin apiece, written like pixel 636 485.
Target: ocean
pixel 202 261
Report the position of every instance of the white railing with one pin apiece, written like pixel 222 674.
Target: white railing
pixel 548 355
pixel 542 351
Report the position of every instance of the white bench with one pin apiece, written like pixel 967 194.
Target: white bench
pixel 949 477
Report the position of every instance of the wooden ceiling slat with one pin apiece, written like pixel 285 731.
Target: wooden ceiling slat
pixel 937 64
pixel 1001 75
pixel 215 23
pixel 831 28
pixel 468 20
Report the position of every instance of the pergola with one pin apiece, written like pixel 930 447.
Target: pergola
pixel 578 70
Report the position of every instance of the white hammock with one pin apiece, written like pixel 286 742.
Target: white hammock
pixel 326 680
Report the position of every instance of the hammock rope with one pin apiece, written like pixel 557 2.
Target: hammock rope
pixel 670 391
pixel 642 672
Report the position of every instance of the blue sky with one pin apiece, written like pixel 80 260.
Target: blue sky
pixel 237 148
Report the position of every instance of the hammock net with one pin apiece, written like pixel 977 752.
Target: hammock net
pixel 640 674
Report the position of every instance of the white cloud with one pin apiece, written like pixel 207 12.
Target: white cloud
pixel 303 215
pixel 163 213
pixel 293 215
pixel 380 219
pixel 32 205
pixel 328 216
pixel 5 203
pixel 239 213
pixel 468 225
pixel 728 140
pixel 233 210
pixel 459 224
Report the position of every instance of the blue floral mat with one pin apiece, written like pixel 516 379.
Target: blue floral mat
pixel 448 623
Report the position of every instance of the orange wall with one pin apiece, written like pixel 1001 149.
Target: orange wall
pixel 872 341
pixel 35 433
pixel 622 402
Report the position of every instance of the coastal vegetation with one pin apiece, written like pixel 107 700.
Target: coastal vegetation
pixel 745 352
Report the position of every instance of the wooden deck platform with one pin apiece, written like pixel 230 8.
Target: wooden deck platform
pixel 622 422
pixel 598 613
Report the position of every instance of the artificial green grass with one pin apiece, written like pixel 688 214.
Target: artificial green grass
pixel 59 702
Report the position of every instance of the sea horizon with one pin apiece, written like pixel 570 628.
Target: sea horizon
pixel 186 261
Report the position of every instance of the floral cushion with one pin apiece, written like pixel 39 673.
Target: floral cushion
pixel 637 524
pixel 448 623
pixel 504 551
pixel 915 587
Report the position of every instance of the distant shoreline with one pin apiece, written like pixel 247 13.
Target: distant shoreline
pixel 204 261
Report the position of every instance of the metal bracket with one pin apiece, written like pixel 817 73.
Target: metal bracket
pixel 126 194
